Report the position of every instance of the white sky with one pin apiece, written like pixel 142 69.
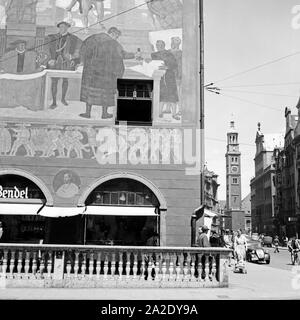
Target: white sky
pixel 239 35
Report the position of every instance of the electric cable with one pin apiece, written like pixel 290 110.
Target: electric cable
pixel 257 67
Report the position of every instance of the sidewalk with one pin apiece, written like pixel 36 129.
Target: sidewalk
pixel 260 282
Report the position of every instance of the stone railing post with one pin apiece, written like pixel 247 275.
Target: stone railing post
pixel 223 270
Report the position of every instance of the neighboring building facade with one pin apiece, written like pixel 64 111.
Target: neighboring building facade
pixel 234 216
pixel 211 196
pixel 286 181
pixel 246 208
pixel 66 179
pixel 262 186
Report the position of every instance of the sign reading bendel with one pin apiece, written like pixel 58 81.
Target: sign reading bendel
pixel 13 193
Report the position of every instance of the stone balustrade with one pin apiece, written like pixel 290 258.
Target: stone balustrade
pixel 112 267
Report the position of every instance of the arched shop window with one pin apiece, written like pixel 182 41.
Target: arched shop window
pixel 123 192
pixel 116 229
pixel 20 200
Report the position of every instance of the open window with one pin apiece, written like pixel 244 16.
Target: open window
pixel 134 103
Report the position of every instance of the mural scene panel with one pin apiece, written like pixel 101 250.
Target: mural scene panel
pixel 69 60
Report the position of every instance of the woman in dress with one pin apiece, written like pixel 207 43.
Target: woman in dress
pixel 240 247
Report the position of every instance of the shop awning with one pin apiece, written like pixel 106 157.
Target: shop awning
pixel 19 208
pixel 61 212
pixel 209 213
pixel 120 211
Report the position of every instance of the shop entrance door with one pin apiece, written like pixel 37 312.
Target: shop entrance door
pixel 66 230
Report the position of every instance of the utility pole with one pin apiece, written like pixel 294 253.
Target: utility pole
pixel 202 126
pixel 198 212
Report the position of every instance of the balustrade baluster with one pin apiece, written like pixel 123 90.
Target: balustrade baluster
pixel 142 270
pixel 149 267
pixel 157 266
pixel 83 265
pixel 135 265
pixel 120 265
pixel 207 262
pixel 193 267
pixel 76 265
pixel 200 267
pixel 113 265
pixel 4 263
pixel 98 265
pixel 68 263
pixel 42 264
pixel 187 268
pixel 172 266
pixel 34 263
pixel 128 264
pixel 91 265
pixel 19 263
pixel 178 267
pixel 214 268
pixel 164 266
pixel 27 264
pixel 49 264
pixel 12 264
pixel 105 265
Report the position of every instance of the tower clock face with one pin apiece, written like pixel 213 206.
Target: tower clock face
pixel 234 169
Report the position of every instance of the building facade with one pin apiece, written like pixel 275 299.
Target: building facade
pixel 286 181
pixel 69 179
pixel 211 197
pixel 234 216
pixel 262 186
pixel 246 208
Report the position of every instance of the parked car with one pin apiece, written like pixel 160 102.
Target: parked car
pixel 256 253
pixel 267 241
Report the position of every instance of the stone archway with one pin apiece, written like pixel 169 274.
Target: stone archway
pixel 34 179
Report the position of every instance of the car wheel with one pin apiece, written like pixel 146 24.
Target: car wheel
pixel 267 261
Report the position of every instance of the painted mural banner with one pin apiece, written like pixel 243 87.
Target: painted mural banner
pixel 67 63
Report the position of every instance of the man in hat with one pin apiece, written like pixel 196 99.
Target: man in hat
pixel 64 51
pixel 18 60
pixel 102 57
pixel 203 238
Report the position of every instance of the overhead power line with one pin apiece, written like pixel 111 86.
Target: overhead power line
pixel 81 29
pixel 222 140
pixel 257 67
pixel 262 93
pixel 264 85
pixel 247 101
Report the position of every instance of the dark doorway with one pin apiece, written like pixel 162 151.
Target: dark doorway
pixel 66 230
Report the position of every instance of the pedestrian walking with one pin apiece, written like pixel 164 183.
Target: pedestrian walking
pixel 240 248
pixel 276 244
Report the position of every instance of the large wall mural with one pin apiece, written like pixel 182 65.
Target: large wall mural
pixel 66 63
pixel 105 145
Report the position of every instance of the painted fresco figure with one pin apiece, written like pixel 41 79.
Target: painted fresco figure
pixel 102 57
pixel 56 143
pixel 64 55
pixel 85 6
pixel 18 60
pixel 168 85
pixel 166 14
pixel 73 138
pixel 22 139
pixel 5 140
pixel 68 189
pixel 177 53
